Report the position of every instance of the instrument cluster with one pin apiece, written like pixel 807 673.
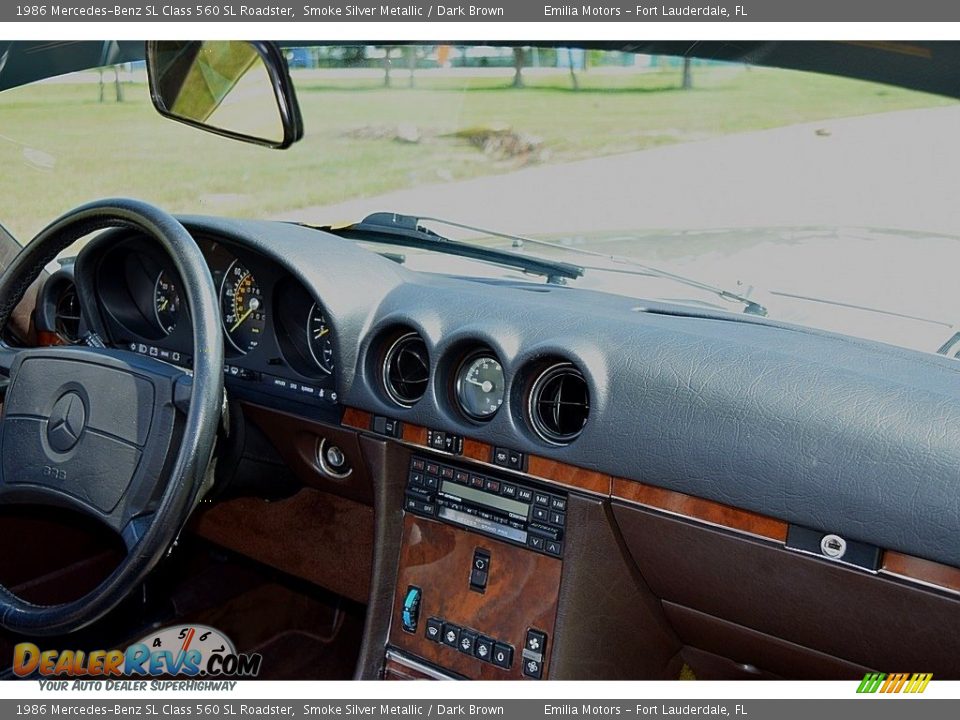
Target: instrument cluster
pixel 274 330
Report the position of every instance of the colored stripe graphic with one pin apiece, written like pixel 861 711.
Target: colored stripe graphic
pixel 914 683
pixel 871 682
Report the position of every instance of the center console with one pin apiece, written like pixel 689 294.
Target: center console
pixel 479 573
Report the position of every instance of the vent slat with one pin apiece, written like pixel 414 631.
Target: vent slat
pixel 406 369
pixel 559 404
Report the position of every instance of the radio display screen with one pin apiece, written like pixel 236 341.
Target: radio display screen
pixel 484 498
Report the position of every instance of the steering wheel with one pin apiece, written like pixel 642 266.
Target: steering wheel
pixel 124 438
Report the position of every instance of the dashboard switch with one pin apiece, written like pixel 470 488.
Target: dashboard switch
pixel 502 655
pixel 483 648
pixel 434 629
pixel 532 668
pixel 468 640
pixel 480 570
pixel 410 615
pixel 451 635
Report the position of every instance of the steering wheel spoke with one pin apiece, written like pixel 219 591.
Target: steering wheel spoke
pixel 124 438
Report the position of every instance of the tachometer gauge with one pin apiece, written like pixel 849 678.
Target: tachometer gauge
pixel 243 308
pixel 320 339
pixel 480 386
pixel 166 303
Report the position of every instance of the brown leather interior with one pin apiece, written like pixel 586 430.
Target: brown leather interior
pixel 313 535
pixel 609 624
pixel 856 618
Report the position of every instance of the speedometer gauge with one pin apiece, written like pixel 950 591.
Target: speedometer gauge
pixel 243 309
pixel 320 339
pixel 166 302
pixel 480 386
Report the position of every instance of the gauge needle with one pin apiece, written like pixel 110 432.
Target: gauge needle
pixel 321 333
pixel 163 305
pixel 486 385
pixel 243 317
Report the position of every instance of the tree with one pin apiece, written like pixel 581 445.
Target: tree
pixel 118 87
pixel 573 72
pixel 518 59
pixel 387 51
pixel 411 53
pixel 687 83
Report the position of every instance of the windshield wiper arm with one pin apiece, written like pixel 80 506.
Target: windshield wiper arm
pixel 406 231
pixel 751 307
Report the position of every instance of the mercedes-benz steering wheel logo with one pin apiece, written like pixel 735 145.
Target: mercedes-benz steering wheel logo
pixel 66 422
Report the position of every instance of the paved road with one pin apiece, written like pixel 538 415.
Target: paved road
pixel 896 170
pixel 880 170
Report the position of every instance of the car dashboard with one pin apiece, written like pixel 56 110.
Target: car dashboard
pixel 277 339
pixel 546 482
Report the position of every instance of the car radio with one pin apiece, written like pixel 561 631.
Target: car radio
pixel 504 509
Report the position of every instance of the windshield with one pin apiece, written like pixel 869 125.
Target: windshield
pixel 825 198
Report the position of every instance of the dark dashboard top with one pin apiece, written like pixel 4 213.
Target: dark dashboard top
pixel 826 431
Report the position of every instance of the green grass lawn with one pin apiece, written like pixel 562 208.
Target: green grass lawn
pixel 60 147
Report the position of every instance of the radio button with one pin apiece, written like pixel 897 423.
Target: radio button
pixel 540 498
pixel 557 518
pixel 416 478
pixel 508 490
pixel 417 464
pixel 501 457
pixel 515 460
pixel 524 495
pixel 461 477
pixel 544 531
pixel 492 486
pixel 537 543
pixel 554 547
pixel 557 503
pixel 446 472
pixel 541 514
pixel 433 469
pixel 431 481
pixel 476 481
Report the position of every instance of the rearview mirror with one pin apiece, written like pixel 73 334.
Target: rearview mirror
pixel 234 88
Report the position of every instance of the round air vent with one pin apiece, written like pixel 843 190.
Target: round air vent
pixel 559 404
pixel 406 369
pixel 66 313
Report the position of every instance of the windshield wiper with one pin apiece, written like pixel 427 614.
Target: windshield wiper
pixel 406 231
pixel 751 307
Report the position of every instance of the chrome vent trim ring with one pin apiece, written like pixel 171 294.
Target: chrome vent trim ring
pixel 558 404
pixel 406 370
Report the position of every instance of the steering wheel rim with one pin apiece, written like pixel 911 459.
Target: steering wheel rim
pixel 191 431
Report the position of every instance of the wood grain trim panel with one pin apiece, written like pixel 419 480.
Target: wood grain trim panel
pixel 699 509
pixel 46 338
pixel 906 567
pixel 537 467
pixel 357 419
pixel 522 592
pixel 925 572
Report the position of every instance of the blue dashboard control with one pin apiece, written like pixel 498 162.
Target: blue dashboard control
pixel 410 616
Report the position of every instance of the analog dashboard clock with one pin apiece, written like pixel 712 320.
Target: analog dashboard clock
pixel 480 385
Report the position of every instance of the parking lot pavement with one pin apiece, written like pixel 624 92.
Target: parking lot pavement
pixel 880 170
